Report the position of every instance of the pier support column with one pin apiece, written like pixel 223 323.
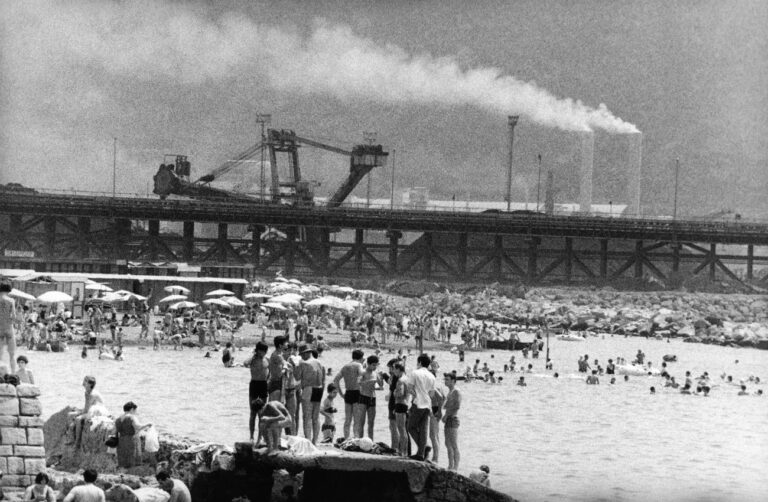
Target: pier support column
pixel 50 236
pixel 394 240
pixel 498 253
pixel 427 254
pixel 83 237
pixel 603 258
pixel 291 234
pixel 359 244
pixel 568 259
pixel 222 242
pixel 461 251
pixel 188 251
pixel 676 246
pixel 122 236
pixel 638 259
pixel 712 261
pixel 324 260
pixel 750 261
pixel 533 258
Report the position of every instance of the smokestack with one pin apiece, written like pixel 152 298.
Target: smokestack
pixel 512 121
pixel 585 171
pixel 634 171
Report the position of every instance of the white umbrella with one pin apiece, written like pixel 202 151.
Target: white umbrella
pixel 127 295
pixel 329 301
pixel 220 292
pixel 21 295
pixel 216 301
pixel 281 279
pixel 295 281
pixel 288 298
pixel 54 297
pixel 172 298
pixel 176 289
pixel 111 297
pixel 283 286
pixel 235 302
pixel 252 296
pixel 275 306
pixel 97 286
pixel 183 305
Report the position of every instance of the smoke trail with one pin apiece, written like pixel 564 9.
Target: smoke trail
pixel 151 41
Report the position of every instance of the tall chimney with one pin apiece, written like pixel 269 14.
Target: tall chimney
pixel 512 121
pixel 634 172
pixel 585 171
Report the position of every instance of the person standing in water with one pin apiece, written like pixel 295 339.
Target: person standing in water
pixel 451 421
pixel 351 373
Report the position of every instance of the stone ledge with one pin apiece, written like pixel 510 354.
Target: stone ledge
pixel 27 390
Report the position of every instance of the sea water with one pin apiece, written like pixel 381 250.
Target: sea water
pixel 555 439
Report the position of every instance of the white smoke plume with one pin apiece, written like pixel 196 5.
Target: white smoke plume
pixel 153 40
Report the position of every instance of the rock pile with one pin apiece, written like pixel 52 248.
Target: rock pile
pixel 737 319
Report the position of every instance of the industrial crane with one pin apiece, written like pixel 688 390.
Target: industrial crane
pixel 173 178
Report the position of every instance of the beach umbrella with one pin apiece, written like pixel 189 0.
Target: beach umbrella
pixel 216 301
pixel 110 298
pixel 281 279
pixel 176 289
pixel 235 302
pixel 254 296
pixel 287 298
pixel 283 286
pixel 97 286
pixel 172 298
pixel 127 295
pixel 21 295
pixel 275 306
pixel 54 297
pixel 183 305
pixel 220 292
pixel 295 281
pixel 329 301
pixel 353 303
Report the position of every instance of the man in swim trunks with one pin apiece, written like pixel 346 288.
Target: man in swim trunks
pixel 292 391
pixel 351 373
pixel 276 364
pixel 273 418
pixel 369 380
pixel 311 377
pixel 257 389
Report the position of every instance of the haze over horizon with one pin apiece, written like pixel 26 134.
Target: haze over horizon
pixel 435 80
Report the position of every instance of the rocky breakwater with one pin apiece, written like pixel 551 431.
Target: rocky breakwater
pixel 725 319
pixel 22 454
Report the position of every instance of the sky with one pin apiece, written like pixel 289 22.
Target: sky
pixel 434 79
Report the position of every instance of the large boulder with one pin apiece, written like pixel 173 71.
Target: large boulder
pixel 60 449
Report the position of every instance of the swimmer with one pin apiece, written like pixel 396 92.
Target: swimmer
pixel 613 380
pixel 530 369
pixel 653 389
pixel 556 375
pixel 482 476
pixel 743 391
pixel 521 382
pixel 759 392
pixel 592 379
pixel 626 378
pixel 207 355
pixel 84 353
pixel 686 389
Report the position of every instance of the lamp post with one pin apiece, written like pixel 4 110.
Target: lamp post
pixel 512 122
pixel 370 138
pixel 262 118
pixel 392 187
pixel 538 186
pixel 114 166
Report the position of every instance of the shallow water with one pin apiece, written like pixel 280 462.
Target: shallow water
pixel 556 439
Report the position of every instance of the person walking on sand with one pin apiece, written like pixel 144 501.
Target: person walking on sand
pixel 351 373
pixel 7 319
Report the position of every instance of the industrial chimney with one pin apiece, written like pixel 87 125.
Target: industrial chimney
pixel 585 171
pixel 512 122
pixel 634 172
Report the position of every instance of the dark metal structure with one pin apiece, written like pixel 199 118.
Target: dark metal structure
pixel 85 233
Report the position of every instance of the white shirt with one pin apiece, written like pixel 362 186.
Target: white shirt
pixel 423 382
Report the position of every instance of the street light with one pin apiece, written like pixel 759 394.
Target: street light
pixel 263 118
pixel 512 122
pixel 370 138
pixel 538 186
pixel 677 174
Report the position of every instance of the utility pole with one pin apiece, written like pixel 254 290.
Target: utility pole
pixel 114 166
pixel 262 118
pixel 677 174
pixel 370 138
pixel 512 122
pixel 392 188
pixel 538 186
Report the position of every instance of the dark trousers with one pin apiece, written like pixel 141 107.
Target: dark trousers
pixel 418 427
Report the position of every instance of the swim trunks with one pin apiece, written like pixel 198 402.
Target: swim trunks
pixel 352 396
pixel 367 401
pixel 401 408
pixel 317 395
pixel 326 427
pixel 275 385
pixel 451 422
pixel 257 389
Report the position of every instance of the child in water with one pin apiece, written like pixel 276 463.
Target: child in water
pixel 521 382
pixel 592 379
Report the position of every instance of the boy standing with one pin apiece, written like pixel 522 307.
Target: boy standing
pixel 327 410
pixel 257 388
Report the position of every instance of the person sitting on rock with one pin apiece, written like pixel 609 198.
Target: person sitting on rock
pixel 40 491
pixel 178 490
pixel 482 476
pixel 87 492
pixel 273 418
pixel 94 400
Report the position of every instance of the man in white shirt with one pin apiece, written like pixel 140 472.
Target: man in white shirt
pixel 421 385
pixel 87 492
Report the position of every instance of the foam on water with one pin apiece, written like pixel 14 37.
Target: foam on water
pixel 556 439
